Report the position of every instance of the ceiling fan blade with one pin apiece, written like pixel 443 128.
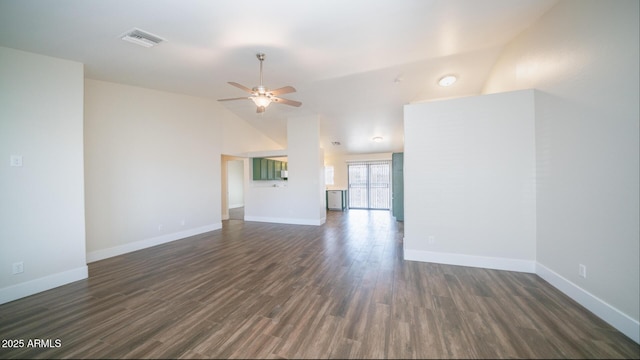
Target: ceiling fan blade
pixel 242 87
pixel 238 98
pixel 286 101
pixel 283 90
pixel 260 109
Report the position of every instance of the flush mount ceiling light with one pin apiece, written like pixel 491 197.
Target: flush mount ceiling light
pixel 447 80
pixel 377 139
pixel 335 143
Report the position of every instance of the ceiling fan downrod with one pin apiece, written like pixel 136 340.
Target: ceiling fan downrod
pixel 260 57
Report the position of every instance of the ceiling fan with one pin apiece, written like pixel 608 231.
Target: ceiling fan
pixel 262 96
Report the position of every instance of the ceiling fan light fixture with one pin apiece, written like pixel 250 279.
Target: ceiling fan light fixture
pixel 447 80
pixel 261 100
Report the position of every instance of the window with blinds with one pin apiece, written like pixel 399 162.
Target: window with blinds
pixel 370 185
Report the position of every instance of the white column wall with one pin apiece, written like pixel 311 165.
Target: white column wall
pixel 469 181
pixel 301 199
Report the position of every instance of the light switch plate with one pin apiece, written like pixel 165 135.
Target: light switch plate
pixel 15 160
pixel 18 268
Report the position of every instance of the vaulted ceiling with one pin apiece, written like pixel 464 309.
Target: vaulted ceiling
pixel 354 63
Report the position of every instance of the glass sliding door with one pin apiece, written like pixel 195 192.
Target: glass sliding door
pixel 380 186
pixel 358 186
pixel 370 185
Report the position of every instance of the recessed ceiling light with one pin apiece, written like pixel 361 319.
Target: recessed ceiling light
pixel 377 139
pixel 447 80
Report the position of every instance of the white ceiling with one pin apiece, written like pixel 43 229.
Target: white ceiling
pixel 354 63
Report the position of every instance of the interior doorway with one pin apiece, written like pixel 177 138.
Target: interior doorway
pixel 233 187
pixel 235 176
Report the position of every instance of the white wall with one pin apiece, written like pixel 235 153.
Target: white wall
pixel 301 199
pixel 583 58
pixel 469 167
pixel 42 202
pixel 306 168
pixel 153 165
pixel 240 137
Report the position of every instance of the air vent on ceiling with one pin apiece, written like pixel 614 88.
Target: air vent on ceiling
pixel 142 38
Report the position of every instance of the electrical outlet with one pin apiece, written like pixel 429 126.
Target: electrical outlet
pixel 582 271
pixel 431 239
pixel 160 227
pixel 18 267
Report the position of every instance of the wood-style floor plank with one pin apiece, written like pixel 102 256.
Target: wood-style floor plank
pixel 275 291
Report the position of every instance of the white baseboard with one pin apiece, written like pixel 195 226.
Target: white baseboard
pixel 527 266
pixel 619 320
pixel 234 206
pixel 606 312
pixel 143 244
pixel 17 291
pixel 291 221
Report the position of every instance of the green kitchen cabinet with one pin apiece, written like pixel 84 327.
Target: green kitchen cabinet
pixel 397 179
pixel 267 169
pixel 257 169
pixel 277 170
pixel 270 172
pixel 260 169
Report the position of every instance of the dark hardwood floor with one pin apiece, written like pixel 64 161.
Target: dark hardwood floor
pixel 341 290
